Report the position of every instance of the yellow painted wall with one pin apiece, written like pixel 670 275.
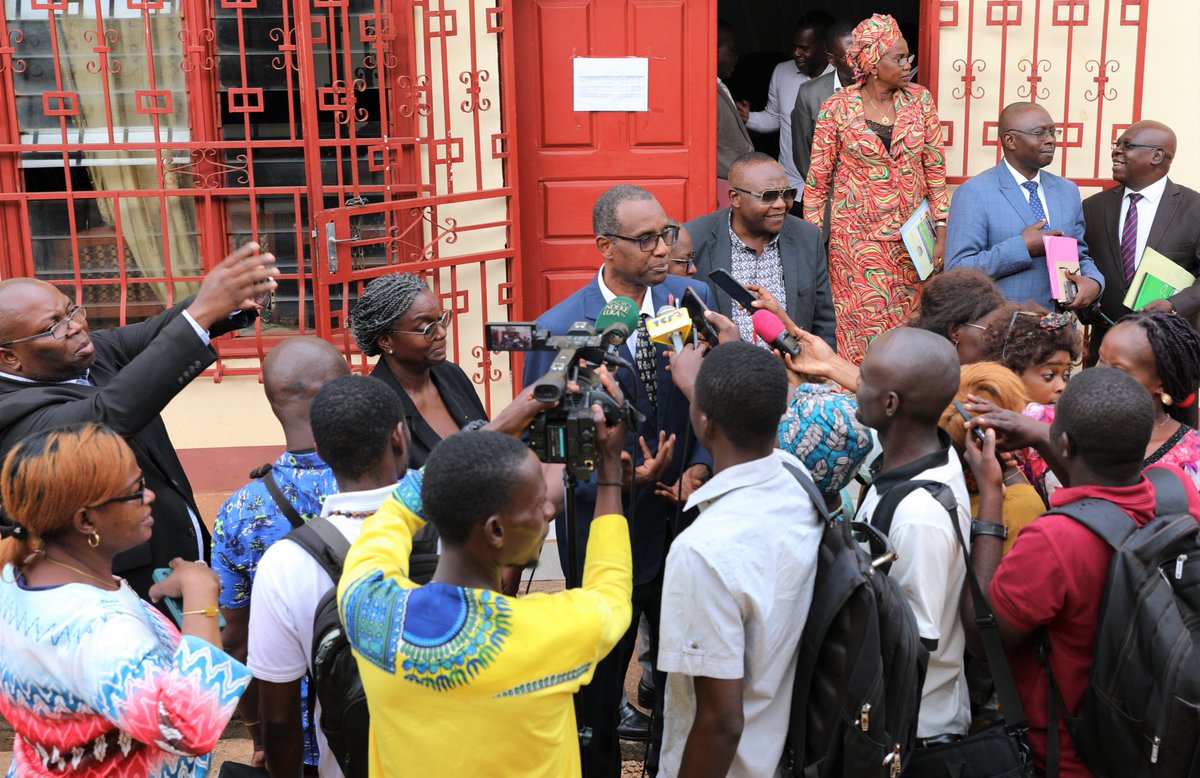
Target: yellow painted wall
pixel 1171 93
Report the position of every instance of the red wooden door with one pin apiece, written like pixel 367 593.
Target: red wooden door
pixel 566 159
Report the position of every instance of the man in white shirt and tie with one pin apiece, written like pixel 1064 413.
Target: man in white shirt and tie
pixel 808 62
pixel 812 94
pixel 1147 209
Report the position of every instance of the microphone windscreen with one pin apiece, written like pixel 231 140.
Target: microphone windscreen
pixel 766 325
pixel 621 310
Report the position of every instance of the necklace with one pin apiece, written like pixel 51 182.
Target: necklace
pixel 353 514
pixel 1164 421
pixel 883 119
pixel 100 581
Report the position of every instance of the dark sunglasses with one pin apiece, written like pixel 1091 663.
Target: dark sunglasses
pixel 650 242
pixel 769 196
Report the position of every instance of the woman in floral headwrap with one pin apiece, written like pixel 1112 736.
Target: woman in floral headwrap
pixel 878 146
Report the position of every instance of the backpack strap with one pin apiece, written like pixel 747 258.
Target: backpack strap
pixel 285 506
pixel 810 488
pixel 324 543
pixel 1170 497
pixel 889 501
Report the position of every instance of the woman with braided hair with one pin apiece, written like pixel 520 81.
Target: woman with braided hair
pixel 1162 351
pixel 399 319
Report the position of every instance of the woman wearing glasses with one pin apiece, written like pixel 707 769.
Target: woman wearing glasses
pixel 399 319
pixel 96 681
pixel 877 151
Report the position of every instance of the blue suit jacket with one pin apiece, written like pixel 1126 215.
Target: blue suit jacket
pixel 651 517
pixel 987 214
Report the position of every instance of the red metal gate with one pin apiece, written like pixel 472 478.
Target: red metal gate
pixel 142 140
pixel 1082 59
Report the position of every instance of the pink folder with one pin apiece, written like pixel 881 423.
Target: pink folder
pixel 1062 255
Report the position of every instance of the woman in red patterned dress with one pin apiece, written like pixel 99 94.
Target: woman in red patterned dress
pixel 878 146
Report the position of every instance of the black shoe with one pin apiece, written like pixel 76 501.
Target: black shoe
pixel 646 693
pixel 633 724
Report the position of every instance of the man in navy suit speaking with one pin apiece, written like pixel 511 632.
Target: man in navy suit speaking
pixel 634 237
pixel 998 218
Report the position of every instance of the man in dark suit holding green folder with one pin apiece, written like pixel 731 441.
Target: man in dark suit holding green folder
pixel 1146 210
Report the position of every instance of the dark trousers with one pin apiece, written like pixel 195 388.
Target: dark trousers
pixel 599 702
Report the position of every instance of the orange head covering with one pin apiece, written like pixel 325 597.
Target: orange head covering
pixel 870 41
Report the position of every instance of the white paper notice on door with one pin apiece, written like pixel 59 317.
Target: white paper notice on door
pixel 612 84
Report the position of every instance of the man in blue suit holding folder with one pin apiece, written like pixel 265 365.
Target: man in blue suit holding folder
pixel 633 235
pixel 999 217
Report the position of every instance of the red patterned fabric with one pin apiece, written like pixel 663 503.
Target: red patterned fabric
pixel 874 192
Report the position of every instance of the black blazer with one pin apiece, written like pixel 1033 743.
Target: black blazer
pixel 139 368
pixel 809 300
pixel 1175 234
pixel 457 392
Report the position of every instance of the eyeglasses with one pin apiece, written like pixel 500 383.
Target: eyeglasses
pixel 429 331
pixel 1042 133
pixel 769 196
pixel 58 330
pixel 1124 145
pixel 1048 322
pixel 139 495
pixel 650 242
pixel 689 260
pixel 902 59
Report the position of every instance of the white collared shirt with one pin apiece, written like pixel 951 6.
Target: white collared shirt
pixel 837 81
pixel 736 593
pixel 647 309
pixel 1147 207
pixel 287 587
pixel 1041 190
pixel 781 96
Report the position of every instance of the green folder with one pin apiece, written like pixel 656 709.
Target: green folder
pixel 1157 278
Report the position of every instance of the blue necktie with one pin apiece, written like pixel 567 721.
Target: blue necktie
pixel 1035 203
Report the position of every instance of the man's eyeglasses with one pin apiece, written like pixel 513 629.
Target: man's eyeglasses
pixel 689 260
pixel 769 196
pixel 1124 145
pixel 650 242
pixel 58 330
pixel 139 495
pixel 429 331
pixel 1042 132
pixel 1048 322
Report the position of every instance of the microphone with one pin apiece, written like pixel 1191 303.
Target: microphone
pixel 768 327
pixel 616 321
pixel 670 327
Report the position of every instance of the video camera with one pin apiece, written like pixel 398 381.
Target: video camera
pixel 566 432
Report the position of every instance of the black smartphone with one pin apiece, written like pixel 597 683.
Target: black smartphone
pixel 695 307
pixel 740 294
pixel 509 335
pixel 980 435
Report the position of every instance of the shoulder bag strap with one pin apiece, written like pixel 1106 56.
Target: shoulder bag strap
pixel 810 488
pixel 1010 702
pixel 281 501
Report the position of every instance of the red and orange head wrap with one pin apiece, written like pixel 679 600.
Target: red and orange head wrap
pixel 871 40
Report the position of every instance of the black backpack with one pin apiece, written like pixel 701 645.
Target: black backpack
pixel 345 719
pixel 861 664
pixel 1141 712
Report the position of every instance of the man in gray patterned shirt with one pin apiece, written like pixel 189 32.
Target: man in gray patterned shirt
pixel 758 242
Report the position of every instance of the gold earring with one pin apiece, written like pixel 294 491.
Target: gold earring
pixel 94 539
pixel 1166 399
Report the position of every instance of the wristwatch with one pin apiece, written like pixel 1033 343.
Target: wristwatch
pixel 988 528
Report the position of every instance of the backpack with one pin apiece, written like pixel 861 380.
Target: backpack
pixel 1141 712
pixel 345 719
pixel 861 664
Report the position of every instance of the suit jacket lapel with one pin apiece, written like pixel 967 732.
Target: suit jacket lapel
pixel 788 250
pixel 723 258
pixel 1014 195
pixel 1112 227
pixel 1166 211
